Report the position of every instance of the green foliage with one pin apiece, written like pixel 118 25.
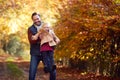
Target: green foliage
pixel 14 46
pixel 14 71
pixel 10 59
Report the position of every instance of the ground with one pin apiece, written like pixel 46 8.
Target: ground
pixel 62 73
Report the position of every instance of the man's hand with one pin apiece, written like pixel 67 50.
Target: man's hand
pixel 34 37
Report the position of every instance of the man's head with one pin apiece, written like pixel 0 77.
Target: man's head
pixel 36 19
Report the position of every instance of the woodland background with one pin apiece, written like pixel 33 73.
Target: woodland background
pixel 89 31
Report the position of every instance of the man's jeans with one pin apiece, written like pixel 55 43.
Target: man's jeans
pixel 48 62
pixel 35 59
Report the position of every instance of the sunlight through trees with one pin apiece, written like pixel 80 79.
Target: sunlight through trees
pixel 89 30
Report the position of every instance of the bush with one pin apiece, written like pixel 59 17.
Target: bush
pixel 14 71
pixel 15 46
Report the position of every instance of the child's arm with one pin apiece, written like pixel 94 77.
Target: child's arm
pixel 41 31
pixel 57 40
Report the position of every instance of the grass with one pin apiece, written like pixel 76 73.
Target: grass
pixel 14 71
pixel 10 59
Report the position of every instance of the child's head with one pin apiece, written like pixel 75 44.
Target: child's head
pixel 46 27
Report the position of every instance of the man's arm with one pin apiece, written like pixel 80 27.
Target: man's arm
pixel 31 38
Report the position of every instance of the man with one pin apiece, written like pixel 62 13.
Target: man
pixel 34 45
pixel 36 56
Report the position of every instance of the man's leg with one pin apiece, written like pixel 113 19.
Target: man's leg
pixel 33 66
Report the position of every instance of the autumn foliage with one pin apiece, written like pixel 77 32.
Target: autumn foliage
pixel 89 31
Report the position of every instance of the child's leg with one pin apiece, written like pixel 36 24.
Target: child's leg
pixel 49 66
pixel 46 61
pixel 53 67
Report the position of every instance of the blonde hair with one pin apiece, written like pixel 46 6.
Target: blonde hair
pixel 46 25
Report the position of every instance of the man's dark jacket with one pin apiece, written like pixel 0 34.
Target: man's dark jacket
pixel 34 44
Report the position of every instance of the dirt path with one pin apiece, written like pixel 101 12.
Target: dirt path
pixel 24 66
pixel 62 74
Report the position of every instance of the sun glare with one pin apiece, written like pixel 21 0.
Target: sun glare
pixel 13 26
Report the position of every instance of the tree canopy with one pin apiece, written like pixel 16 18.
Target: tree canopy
pixel 89 29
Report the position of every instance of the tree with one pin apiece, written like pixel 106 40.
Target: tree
pixel 89 32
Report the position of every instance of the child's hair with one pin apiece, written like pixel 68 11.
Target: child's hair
pixel 44 24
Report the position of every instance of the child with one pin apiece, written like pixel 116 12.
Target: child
pixel 48 41
pixel 46 34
